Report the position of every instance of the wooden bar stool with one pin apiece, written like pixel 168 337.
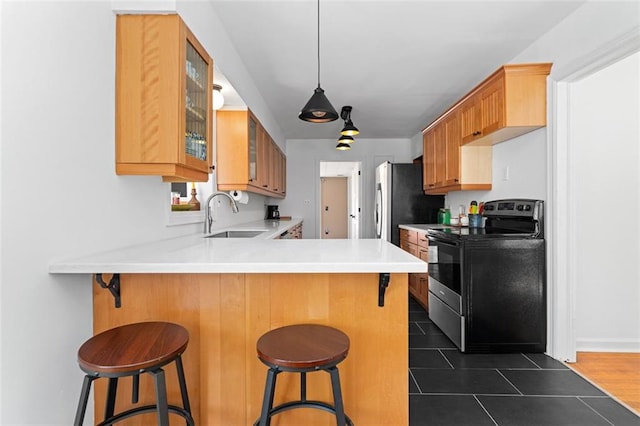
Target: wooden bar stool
pixel 301 349
pixel 131 350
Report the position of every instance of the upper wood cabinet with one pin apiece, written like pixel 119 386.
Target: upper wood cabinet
pixel 163 99
pixel 247 157
pixel 455 167
pixel 509 103
pixel 458 145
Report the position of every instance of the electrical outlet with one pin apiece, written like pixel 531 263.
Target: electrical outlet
pixel 307 202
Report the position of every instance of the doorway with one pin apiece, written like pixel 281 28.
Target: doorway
pixel 346 174
pixel 333 202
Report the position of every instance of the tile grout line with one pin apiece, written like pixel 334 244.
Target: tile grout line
pixel 531 361
pixel 594 410
pixel 415 381
pixel 508 381
pixel 447 359
pixel 485 410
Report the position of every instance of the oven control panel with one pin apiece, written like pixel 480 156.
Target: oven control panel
pixel 515 207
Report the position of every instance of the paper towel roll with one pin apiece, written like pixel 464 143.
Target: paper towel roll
pixel 240 197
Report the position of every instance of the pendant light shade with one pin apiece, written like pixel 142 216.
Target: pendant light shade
pixel 343 147
pixel 318 109
pixel 349 129
pixel 345 139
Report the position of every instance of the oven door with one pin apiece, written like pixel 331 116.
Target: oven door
pixel 445 299
pixel 444 263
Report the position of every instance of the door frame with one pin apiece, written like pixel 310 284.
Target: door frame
pixel 561 197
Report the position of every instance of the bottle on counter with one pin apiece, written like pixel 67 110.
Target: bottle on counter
pixel 447 216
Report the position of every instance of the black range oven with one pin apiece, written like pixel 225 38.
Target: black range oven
pixel 487 286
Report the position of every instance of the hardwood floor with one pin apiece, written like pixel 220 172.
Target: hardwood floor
pixel 616 373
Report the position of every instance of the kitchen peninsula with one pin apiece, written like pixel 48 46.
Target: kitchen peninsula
pixel 228 292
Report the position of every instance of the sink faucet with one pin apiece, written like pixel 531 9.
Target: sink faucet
pixel 208 218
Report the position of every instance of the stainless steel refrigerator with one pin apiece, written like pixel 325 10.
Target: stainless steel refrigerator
pixel 401 200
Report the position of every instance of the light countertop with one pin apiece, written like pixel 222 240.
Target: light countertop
pixel 262 254
pixel 422 227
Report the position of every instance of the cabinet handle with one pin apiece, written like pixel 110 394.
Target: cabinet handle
pixel 456 180
pixel 432 184
pixel 265 186
pixel 477 133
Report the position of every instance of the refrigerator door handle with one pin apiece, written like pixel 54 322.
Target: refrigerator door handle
pixel 378 211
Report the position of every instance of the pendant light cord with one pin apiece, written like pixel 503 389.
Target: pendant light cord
pixel 318 44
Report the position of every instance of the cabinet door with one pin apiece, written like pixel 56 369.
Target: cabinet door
pixel 452 146
pixel 253 149
pixel 441 155
pixel 428 161
pixel 283 173
pixel 492 107
pixel 470 119
pixel 263 158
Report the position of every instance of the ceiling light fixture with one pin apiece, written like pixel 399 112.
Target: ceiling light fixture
pixel 343 146
pixel 218 99
pixel 349 129
pixel 346 139
pixel 318 109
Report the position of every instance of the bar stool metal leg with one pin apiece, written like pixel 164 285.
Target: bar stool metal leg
pixel 161 396
pixel 267 402
pixel 135 388
pixel 183 385
pixel 111 398
pixel 337 396
pixel 84 397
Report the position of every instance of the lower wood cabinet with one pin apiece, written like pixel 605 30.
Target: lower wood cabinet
pixel 416 243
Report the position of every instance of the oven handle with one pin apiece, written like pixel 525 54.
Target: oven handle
pixel 443 242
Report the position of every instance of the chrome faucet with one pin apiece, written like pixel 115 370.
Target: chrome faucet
pixel 208 220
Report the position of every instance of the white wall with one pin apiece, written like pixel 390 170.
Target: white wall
pixel 605 140
pixel 303 176
pixel 518 171
pixel 61 197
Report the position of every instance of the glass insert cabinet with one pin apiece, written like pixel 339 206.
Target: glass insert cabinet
pixel 164 79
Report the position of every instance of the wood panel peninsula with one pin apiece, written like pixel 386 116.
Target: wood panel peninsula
pixel 228 292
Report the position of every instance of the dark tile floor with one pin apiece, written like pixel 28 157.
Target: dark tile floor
pixel 447 387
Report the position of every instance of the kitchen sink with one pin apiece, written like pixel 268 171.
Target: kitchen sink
pixel 239 233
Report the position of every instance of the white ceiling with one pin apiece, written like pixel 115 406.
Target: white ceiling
pixel 399 63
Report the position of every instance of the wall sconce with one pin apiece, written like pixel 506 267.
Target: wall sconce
pixel 218 98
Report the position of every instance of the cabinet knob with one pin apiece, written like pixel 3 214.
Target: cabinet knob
pixel 456 180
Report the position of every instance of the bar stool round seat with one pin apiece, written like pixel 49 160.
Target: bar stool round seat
pixel 303 348
pixel 131 350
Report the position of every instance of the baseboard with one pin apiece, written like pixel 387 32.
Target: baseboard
pixel 608 345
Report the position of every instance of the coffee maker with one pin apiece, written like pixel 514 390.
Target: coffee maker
pixel 272 212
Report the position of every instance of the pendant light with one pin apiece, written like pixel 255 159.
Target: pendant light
pixel 349 129
pixel 346 139
pixel 318 109
pixel 344 143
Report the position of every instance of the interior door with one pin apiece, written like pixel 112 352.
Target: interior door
pixel 333 199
